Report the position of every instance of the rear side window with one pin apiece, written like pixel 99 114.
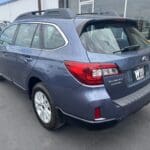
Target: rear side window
pixel 25 35
pixel 8 34
pixel 109 38
pixel 52 37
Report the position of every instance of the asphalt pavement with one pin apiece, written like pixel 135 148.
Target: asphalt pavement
pixel 20 130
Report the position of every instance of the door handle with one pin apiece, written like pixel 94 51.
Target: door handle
pixel 28 59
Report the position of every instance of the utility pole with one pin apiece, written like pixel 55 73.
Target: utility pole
pixel 125 9
pixel 39 6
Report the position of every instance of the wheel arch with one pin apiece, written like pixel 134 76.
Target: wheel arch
pixel 31 83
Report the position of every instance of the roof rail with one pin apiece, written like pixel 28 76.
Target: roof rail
pixel 93 13
pixel 53 13
pixel 109 13
pixel 103 13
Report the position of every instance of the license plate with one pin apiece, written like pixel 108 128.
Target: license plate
pixel 139 74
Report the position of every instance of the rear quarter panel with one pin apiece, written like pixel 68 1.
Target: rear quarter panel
pixel 65 91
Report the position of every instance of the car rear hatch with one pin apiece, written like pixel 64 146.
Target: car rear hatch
pixel 118 42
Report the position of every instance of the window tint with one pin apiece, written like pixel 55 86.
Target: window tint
pixel 121 36
pixel 52 37
pixel 110 38
pixel 8 34
pixel 136 37
pixel 36 40
pixel 25 34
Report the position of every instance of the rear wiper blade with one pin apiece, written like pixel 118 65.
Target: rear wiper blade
pixel 128 48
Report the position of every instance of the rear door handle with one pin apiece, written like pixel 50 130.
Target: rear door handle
pixel 27 59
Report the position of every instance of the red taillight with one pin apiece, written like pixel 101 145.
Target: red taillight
pixel 91 73
pixel 97 113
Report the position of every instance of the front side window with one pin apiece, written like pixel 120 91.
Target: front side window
pixel 8 34
pixel 109 38
pixel 25 35
pixel 52 37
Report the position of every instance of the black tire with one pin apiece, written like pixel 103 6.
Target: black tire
pixel 57 120
pixel 1 78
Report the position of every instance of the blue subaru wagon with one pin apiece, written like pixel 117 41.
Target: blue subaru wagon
pixel 90 67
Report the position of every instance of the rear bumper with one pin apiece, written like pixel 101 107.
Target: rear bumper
pixel 101 120
pixel 116 110
pixel 134 101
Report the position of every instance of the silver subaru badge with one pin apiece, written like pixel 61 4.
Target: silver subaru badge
pixel 145 58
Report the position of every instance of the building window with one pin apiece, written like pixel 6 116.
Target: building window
pixel 86 6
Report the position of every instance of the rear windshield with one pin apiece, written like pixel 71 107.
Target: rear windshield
pixel 111 37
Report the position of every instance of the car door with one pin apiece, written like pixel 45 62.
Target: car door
pixel 7 56
pixel 27 51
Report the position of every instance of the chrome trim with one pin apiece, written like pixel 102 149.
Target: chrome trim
pixel 46 23
pixel 100 119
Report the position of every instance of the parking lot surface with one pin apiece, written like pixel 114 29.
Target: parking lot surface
pixel 20 130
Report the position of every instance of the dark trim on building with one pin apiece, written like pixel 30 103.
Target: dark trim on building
pixel 39 6
pixel 63 3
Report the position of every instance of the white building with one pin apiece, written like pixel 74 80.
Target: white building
pixel 10 9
